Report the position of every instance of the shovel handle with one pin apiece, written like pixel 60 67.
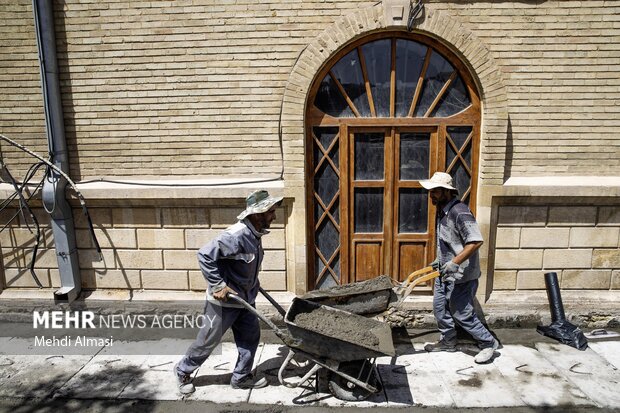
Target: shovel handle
pixel 418 272
pixel 424 277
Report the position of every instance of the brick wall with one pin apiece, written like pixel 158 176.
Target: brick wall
pixel 195 88
pixel 143 248
pixel 581 243
pixel 560 61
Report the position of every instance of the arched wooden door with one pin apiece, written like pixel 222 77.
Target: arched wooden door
pixel 386 112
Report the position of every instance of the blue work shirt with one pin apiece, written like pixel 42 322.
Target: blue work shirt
pixel 456 227
pixel 233 259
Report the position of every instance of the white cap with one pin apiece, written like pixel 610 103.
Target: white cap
pixel 438 180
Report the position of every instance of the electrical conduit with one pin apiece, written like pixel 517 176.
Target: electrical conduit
pixel 53 192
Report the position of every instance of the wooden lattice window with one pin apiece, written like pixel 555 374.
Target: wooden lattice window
pixel 386 112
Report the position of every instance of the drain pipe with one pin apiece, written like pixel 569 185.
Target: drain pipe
pixel 53 192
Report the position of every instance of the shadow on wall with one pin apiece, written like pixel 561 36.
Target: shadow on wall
pixel 509 151
pixel 89 279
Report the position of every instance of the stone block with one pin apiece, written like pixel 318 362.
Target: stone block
pixel 504 280
pixel 14 237
pixel 197 281
pixel 107 238
pixel 136 217
pixel 544 237
pixel 101 217
pixel 181 260
pixel 274 260
pixel 273 280
pixel 46 258
pixel 276 239
pixel 518 259
pixel 185 217
pixel 161 238
pixel 609 215
pixel 119 279
pixel 586 279
pixel 165 280
pixel 572 215
pixel 606 258
pixel 594 237
pixel 532 280
pixel 615 280
pixel 522 215
pixel 507 237
pixel 55 277
pixel 90 259
pixel 15 257
pixel 12 214
pixel 224 217
pixel 568 258
pixel 139 259
pixel 196 238
pixel 21 277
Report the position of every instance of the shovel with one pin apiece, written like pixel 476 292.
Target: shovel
pixel 423 275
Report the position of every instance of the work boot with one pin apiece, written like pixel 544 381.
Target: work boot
pixel 249 382
pixel 184 381
pixel 441 345
pixel 486 354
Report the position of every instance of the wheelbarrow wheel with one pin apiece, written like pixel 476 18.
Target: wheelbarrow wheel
pixel 343 389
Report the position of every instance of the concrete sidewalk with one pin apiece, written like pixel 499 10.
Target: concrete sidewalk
pixel 537 372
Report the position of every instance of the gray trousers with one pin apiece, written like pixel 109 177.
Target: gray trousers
pixel 219 319
pixel 455 303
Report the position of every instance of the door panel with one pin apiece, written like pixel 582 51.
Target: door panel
pixel 368 259
pixel 369 209
pixel 388 210
pixel 411 257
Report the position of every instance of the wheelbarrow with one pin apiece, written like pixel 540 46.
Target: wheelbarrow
pixel 372 296
pixel 364 297
pixel 343 343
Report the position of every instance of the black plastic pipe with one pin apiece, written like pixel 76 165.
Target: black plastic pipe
pixel 554 297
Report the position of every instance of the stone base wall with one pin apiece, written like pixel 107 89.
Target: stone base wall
pixel 578 241
pixel 143 247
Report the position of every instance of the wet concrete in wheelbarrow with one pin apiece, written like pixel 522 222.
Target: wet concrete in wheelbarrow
pixel 340 325
pixel 364 297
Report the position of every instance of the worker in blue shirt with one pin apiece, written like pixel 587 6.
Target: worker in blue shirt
pixel 230 265
pixel 458 241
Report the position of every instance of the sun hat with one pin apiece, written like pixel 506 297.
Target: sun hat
pixel 438 180
pixel 258 202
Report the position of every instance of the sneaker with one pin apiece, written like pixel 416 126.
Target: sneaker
pixel 486 354
pixel 249 382
pixel 441 345
pixel 184 381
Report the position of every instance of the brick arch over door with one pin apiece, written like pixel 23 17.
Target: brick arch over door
pixel 436 25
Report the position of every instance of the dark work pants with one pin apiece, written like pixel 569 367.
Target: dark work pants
pixel 455 303
pixel 219 319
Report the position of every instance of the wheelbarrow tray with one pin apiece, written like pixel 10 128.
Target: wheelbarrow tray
pixel 364 297
pixel 335 334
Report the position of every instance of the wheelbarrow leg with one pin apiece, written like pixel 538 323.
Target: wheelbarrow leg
pixel 292 384
pixel 354 380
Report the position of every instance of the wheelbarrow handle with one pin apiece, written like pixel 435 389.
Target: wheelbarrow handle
pixel 251 309
pixel 273 302
pixel 284 335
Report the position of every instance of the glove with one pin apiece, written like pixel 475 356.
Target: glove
pixel 434 264
pixel 451 272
